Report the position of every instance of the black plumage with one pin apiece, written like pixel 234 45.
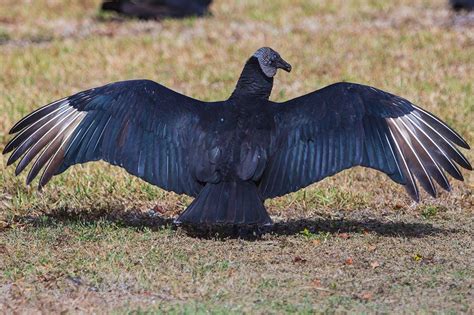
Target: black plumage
pixel 459 5
pixel 234 154
pixel 157 9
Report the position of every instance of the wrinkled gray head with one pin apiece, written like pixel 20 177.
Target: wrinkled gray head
pixel 270 61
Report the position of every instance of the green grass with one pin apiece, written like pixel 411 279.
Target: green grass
pixel 352 243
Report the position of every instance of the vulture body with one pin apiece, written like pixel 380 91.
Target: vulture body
pixel 232 155
pixel 459 5
pixel 157 9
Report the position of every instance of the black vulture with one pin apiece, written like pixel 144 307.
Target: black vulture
pixel 232 155
pixel 156 9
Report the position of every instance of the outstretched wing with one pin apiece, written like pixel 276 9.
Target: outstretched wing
pixel 345 125
pixel 139 125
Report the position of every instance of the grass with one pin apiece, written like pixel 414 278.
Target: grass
pixel 352 243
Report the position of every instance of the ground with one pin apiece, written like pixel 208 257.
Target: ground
pixel 98 240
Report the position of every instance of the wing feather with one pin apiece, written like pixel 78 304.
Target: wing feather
pixel 138 125
pixel 345 125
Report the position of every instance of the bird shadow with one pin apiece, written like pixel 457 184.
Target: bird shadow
pixel 149 220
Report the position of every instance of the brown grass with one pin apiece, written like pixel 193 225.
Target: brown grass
pixel 352 243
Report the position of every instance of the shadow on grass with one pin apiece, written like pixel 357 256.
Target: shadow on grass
pixel 383 228
pixel 150 220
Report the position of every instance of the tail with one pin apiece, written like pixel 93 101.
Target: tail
pixel 227 203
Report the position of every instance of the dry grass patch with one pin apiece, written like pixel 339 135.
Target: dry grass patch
pixel 354 242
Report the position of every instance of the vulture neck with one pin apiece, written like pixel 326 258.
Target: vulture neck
pixel 253 82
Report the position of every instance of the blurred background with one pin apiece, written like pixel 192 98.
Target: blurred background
pixel 52 244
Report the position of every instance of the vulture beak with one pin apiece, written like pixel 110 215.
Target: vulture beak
pixel 282 64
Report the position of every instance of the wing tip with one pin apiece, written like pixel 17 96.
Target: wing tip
pixel 440 125
pixel 11 160
pixel 18 170
pixel 416 198
pixel 29 179
pixel 469 166
pixel 448 188
pixel 8 148
pixel 464 144
pixel 14 129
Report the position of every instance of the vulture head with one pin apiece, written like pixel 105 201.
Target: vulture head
pixel 270 61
